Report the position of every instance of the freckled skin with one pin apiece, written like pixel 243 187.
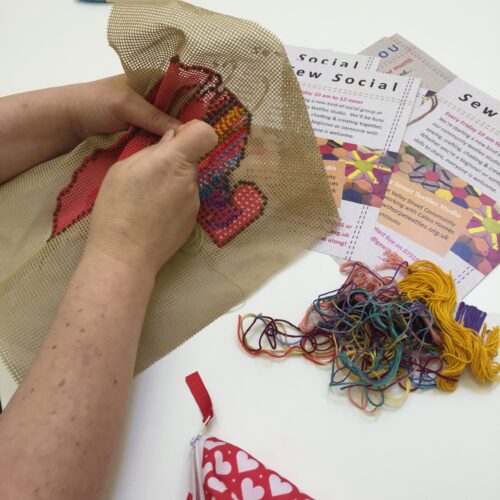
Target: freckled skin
pixel 78 392
pixel 67 397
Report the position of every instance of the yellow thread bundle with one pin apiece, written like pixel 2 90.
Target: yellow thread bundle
pixel 484 368
pixel 461 346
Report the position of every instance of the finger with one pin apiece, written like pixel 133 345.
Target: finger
pixel 182 152
pixel 193 140
pixel 139 112
pixel 169 135
pixel 147 151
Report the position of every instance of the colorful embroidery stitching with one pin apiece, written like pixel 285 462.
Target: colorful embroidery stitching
pixel 187 92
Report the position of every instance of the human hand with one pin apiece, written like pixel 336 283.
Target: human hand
pixel 111 105
pixel 147 205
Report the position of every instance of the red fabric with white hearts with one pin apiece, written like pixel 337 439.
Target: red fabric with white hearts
pixel 231 473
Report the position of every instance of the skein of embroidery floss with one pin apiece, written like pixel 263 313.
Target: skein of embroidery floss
pixel 462 346
pixel 384 338
pixel 376 340
pixel 470 316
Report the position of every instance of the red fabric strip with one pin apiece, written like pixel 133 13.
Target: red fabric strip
pixel 201 395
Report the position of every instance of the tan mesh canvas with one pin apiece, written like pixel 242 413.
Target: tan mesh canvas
pixel 281 159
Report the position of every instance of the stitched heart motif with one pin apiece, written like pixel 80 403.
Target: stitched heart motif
pixel 222 215
pixel 251 492
pixel 186 92
pixel 279 487
pixel 221 467
pixel 245 463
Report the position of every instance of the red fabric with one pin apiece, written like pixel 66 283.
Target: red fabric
pixel 201 396
pixel 226 471
pixel 230 473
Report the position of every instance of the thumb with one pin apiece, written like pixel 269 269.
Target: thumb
pixel 191 142
pixel 194 140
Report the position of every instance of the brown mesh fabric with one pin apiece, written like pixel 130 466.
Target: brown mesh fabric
pixel 192 290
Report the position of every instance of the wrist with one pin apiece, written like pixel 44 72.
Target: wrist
pixel 72 96
pixel 107 263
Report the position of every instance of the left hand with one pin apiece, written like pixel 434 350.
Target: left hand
pixel 111 105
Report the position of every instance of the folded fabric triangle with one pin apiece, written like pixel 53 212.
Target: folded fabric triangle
pixel 228 472
pixel 222 471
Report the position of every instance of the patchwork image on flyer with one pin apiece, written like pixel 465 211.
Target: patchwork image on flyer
pixel 359 118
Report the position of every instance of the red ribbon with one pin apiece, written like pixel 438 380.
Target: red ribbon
pixel 201 396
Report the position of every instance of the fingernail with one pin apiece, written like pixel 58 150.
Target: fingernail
pixel 168 136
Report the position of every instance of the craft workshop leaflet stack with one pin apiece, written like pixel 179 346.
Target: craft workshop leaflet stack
pixel 412 153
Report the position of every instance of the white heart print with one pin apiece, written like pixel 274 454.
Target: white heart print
pixel 208 468
pixel 221 467
pixel 245 463
pixel 251 492
pixel 279 487
pixel 210 445
pixel 216 484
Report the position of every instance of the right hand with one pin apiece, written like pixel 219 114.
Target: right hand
pixel 147 205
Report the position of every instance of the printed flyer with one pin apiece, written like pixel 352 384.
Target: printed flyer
pixel 442 202
pixel 398 56
pixel 359 118
pixel 326 58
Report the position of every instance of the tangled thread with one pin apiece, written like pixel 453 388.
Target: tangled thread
pixel 382 338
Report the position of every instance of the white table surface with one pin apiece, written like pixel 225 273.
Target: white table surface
pixel 437 446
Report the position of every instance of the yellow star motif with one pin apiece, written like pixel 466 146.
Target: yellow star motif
pixel 365 167
pixel 489 225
